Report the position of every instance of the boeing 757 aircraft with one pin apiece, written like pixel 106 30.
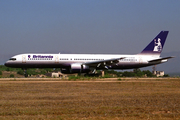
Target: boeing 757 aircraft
pixel 85 63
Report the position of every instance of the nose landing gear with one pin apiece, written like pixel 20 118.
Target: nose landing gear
pixel 25 72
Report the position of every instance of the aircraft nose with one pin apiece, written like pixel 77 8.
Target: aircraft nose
pixel 6 64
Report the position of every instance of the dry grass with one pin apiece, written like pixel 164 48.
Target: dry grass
pixel 137 99
pixel 6 74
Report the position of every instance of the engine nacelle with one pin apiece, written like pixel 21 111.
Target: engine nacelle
pixel 76 68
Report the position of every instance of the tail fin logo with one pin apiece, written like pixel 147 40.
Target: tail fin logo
pixel 157 45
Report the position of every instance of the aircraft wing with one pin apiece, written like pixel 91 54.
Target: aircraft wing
pixel 103 63
pixel 161 59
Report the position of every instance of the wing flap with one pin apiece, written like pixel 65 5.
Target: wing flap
pixel 103 62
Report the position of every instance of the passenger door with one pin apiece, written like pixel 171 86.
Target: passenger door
pixel 23 58
pixel 56 59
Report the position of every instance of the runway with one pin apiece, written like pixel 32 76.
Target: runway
pixel 125 98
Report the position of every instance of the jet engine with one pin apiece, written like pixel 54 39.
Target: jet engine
pixel 75 68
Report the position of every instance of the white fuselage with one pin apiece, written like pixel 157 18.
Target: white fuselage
pixel 66 60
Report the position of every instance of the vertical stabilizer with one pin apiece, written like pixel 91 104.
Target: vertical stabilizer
pixel 155 47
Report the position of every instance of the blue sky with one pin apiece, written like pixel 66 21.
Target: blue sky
pixel 86 26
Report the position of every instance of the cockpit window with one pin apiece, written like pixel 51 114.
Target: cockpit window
pixel 12 59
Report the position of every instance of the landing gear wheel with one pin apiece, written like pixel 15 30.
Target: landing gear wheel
pixel 25 73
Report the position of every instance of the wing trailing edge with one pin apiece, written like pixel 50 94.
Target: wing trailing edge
pixel 103 62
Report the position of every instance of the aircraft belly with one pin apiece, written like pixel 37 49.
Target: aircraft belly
pixel 36 64
pixel 45 64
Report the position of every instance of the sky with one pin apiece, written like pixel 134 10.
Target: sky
pixel 87 26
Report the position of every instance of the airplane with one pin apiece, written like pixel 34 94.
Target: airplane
pixel 89 63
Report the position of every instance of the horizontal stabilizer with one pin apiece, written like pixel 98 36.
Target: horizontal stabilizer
pixel 156 60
